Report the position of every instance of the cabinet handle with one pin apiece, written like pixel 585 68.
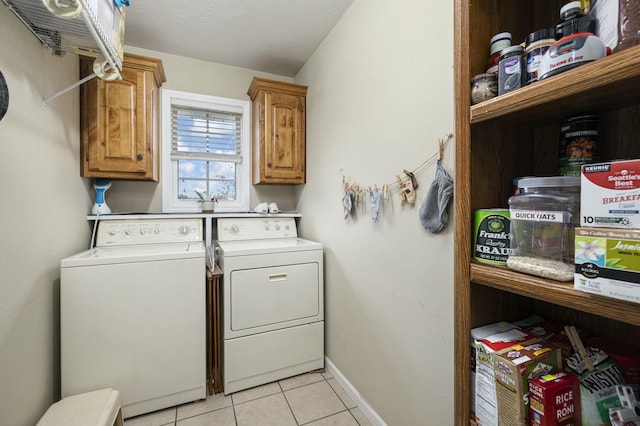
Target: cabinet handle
pixel 278 277
pixel 139 157
pixel 269 164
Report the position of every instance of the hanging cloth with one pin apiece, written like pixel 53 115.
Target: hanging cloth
pixel 433 213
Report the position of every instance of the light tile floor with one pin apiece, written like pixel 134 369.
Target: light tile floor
pixel 312 399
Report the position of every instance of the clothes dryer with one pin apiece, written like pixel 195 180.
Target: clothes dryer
pixel 273 301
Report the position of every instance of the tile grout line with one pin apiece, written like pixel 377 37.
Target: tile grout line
pixel 295 419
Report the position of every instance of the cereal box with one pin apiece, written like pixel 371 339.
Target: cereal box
pixel 478 333
pixel 607 262
pixel 555 400
pixel 513 369
pixel 610 194
pixel 486 404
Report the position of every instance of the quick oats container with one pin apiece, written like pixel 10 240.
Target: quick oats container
pixel 544 215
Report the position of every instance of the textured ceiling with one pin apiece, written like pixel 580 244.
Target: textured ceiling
pixel 274 36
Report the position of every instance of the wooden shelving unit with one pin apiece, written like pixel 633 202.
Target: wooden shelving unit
pixel 516 135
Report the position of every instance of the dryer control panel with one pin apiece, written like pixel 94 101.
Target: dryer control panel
pixel 240 229
pixel 152 231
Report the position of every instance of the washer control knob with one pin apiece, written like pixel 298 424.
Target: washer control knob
pixel 184 230
pixel 142 231
pixel 235 229
pixel 277 227
pixel 286 227
pixel 127 232
pixel 156 231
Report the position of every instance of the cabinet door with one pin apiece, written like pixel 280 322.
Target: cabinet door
pixel 284 150
pixel 117 125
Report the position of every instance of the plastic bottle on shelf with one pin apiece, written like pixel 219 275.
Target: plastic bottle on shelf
pixel 497 43
pixel 537 45
pixel 510 69
pixel 573 21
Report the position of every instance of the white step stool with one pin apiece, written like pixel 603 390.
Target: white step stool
pixel 98 408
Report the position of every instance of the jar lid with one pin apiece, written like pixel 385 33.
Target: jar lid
pixel 500 36
pixel 570 6
pixel 582 118
pixel 512 49
pixel 541 35
pixel 484 76
pixel 547 182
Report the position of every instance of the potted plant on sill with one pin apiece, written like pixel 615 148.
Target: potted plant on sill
pixel 207 202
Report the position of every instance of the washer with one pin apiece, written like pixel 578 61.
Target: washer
pixel 273 301
pixel 132 314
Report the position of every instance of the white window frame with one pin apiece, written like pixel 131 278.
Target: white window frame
pixel 169 177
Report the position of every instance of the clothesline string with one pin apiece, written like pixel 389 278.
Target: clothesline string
pixel 395 182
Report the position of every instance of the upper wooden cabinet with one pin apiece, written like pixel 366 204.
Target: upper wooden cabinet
pixel 279 150
pixel 119 124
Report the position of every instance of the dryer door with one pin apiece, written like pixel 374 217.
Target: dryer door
pixel 274 297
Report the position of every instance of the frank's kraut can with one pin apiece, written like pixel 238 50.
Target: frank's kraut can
pixel 492 236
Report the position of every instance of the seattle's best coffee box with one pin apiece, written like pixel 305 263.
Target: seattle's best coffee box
pixel 607 262
pixel 610 194
pixel 514 368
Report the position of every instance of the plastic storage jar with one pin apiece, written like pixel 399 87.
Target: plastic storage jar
pixel 497 43
pixel 544 215
pixel 510 69
pixel 573 21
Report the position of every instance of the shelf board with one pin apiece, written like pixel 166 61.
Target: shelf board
pixel 559 293
pixel 608 83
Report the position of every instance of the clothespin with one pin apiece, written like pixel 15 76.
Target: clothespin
pixel 440 148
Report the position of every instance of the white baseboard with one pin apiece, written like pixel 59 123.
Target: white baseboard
pixel 362 404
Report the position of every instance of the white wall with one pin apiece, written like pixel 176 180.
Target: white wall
pixel 380 95
pixel 43 216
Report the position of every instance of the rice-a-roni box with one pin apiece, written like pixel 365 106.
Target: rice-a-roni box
pixel 610 194
pixel 607 262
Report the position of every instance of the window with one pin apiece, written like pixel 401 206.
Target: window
pixel 205 148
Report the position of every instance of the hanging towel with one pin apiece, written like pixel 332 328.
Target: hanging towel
pixel 433 213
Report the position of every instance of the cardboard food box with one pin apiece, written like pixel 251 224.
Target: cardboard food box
pixel 486 404
pixel 607 262
pixel 478 333
pixel 555 400
pixel 610 194
pixel 514 368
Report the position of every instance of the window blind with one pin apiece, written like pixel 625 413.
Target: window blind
pixel 201 134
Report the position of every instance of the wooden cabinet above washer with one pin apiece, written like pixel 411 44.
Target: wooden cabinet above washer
pixel 119 125
pixel 279 147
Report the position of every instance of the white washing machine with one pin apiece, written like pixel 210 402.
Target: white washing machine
pixel 273 301
pixel 132 314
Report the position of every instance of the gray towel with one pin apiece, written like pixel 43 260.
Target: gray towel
pixel 433 213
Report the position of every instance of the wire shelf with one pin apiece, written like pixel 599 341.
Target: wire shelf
pixel 97 30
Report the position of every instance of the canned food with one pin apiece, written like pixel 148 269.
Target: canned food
pixel 491 242
pixel 578 144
